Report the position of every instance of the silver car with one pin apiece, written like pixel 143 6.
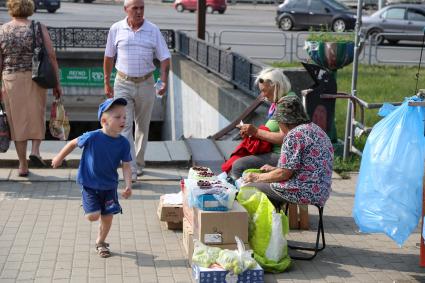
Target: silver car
pixel 403 21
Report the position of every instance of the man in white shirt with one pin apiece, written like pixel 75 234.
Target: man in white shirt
pixel 136 42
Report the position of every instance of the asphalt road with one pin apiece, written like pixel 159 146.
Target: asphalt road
pixel 163 14
pixel 246 28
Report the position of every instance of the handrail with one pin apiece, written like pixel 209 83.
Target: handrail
pixel 257 102
pixel 358 124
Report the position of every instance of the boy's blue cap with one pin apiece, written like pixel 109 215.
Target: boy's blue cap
pixel 108 103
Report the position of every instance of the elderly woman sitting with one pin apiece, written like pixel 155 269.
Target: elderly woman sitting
pixel 304 171
pixel 273 85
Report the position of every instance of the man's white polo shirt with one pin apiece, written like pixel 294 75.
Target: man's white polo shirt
pixel 136 49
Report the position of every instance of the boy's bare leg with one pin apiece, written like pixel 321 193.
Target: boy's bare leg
pixel 104 227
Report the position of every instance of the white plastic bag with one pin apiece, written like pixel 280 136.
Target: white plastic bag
pixel 204 255
pixel 278 245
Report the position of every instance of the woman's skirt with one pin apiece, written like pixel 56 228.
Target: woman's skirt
pixel 25 104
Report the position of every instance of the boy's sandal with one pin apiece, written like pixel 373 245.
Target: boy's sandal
pixel 103 250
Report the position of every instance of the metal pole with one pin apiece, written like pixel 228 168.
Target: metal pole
pixel 422 232
pixel 201 19
pixel 381 4
pixel 348 138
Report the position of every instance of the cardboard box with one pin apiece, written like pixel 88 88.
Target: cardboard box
pixel 174 225
pixel 189 247
pixel 188 244
pixel 214 275
pixel 221 227
pixel 169 212
pixel 187 238
pixel 188 212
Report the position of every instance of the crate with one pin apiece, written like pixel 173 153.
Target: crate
pixel 215 275
pixel 298 216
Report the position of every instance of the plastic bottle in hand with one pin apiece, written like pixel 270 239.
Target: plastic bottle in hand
pixel 158 86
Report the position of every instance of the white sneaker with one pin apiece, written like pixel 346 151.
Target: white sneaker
pixel 139 172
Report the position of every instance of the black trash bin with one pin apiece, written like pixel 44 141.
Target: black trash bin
pixel 322 110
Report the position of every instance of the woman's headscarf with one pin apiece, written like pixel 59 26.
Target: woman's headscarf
pixel 291 111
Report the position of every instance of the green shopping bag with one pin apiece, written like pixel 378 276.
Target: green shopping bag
pixel 267 230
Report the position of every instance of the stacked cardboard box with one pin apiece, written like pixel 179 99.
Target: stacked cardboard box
pixel 172 214
pixel 221 227
pixel 216 228
pixel 188 212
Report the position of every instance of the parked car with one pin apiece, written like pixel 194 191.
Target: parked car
pixel 50 5
pixel 408 20
pixel 367 4
pixel 191 5
pixel 315 13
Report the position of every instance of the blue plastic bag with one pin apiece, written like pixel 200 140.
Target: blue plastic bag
pixel 388 195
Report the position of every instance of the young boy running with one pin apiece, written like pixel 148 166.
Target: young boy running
pixel 103 151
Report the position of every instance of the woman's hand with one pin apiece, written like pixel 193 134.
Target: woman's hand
pixel 247 130
pixel 57 91
pixel 267 168
pixel 251 177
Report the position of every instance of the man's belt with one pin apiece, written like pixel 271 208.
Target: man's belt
pixel 134 79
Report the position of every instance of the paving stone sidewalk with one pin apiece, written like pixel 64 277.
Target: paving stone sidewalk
pixel 45 238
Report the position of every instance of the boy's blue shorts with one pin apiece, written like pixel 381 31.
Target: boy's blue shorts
pixel 100 201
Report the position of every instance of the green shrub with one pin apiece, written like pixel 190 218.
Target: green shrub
pixel 324 36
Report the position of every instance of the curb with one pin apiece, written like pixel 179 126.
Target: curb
pixel 74 163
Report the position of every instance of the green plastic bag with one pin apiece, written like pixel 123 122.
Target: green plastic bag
pixel 267 230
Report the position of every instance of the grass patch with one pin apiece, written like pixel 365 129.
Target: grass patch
pixel 342 167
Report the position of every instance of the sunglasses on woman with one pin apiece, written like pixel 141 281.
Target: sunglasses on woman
pixel 261 81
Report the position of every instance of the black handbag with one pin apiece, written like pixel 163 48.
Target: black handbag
pixel 43 72
pixel 4 131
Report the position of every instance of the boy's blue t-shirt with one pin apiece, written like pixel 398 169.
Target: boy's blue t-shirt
pixel 101 158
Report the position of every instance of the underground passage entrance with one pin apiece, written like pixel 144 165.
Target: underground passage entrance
pixel 80 127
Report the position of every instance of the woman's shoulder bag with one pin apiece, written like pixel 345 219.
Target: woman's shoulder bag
pixel 43 72
pixel 4 131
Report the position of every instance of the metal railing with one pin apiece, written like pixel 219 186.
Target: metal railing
pixel 281 37
pixel 355 124
pixel 231 66
pixel 290 47
pixel 87 37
